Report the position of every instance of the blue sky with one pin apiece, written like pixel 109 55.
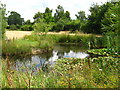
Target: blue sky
pixel 28 8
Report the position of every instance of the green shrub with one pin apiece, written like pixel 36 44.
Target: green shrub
pixel 13 27
pixel 26 28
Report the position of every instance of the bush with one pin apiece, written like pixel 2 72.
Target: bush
pixel 26 28
pixel 13 27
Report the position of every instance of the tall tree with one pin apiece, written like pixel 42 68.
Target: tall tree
pixel 28 22
pixel 59 13
pixel 48 15
pixel 93 24
pixel 111 26
pixel 15 19
pixel 67 15
pixel 81 16
pixel 37 16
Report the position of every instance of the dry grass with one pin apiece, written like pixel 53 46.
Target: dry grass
pixel 21 34
pixel 17 34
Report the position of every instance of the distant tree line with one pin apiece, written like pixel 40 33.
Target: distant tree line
pixel 102 19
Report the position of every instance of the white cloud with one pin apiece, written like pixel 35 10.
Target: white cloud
pixel 28 8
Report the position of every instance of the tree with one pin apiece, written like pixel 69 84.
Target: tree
pixel 28 22
pixel 38 16
pixel 61 18
pixel 15 19
pixel 67 15
pixel 111 26
pixel 27 26
pixel 59 13
pixel 2 19
pixel 48 15
pixel 93 24
pixel 42 27
pixel 81 17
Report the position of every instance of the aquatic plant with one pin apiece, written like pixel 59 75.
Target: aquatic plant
pixel 66 73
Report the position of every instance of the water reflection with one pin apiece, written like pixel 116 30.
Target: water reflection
pixel 60 51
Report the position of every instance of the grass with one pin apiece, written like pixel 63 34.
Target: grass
pixel 17 47
pixel 23 47
pixel 86 40
pixel 47 42
pixel 101 72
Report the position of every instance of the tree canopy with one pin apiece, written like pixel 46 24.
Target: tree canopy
pixel 15 19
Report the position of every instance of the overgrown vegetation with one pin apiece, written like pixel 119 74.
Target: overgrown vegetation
pixel 99 72
pixel 96 72
pixel 2 19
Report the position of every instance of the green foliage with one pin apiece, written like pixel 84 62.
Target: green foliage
pixel 44 42
pixel 59 25
pixel 65 73
pixel 3 22
pixel 59 13
pixel 81 16
pixel 15 18
pixel 17 47
pixel 13 27
pixel 48 15
pixel 38 16
pixel 26 28
pixel 110 26
pixel 72 25
pixel 89 40
pixel 93 24
pixel 42 27
pixel 104 52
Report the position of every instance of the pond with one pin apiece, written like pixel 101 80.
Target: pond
pixel 59 51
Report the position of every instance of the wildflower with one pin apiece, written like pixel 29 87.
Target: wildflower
pixel 100 69
pixel 70 78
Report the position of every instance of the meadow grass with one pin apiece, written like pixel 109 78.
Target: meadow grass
pixel 90 41
pixel 24 46
pixel 17 47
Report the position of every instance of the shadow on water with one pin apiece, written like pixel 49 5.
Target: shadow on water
pixel 43 60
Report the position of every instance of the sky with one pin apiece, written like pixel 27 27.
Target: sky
pixel 28 8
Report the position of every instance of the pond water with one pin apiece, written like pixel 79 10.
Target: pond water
pixel 59 51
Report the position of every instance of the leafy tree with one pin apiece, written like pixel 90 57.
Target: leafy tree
pixel 111 26
pixel 27 26
pixel 61 18
pixel 42 27
pixel 15 18
pixel 28 22
pixel 67 15
pixel 13 27
pixel 82 18
pixel 59 13
pixel 72 25
pixel 93 24
pixel 48 15
pixel 2 19
pixel 38 16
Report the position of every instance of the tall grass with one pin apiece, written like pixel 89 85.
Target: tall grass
pixel 24 46
pixel 17 47
pixel 100 72
pixel 86 40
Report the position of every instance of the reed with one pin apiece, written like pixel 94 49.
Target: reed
pixel 66 73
